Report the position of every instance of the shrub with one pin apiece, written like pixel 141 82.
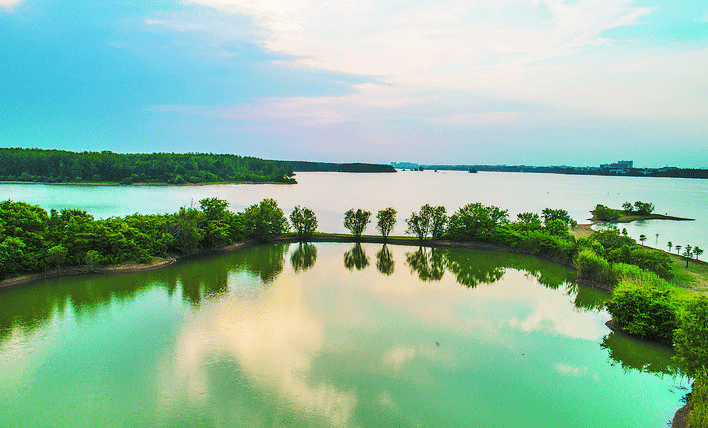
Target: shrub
pixel 691 337
pixel 699 400
pixel 594 268
pixel 645 311
pixel 604 213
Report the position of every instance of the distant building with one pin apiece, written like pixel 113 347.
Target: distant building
pixel 619 165
pixel 405 165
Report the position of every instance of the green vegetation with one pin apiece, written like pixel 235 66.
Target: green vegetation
pixel 58 166
pixel 430 220
pixel 32 240
pixel 304 222
pixel 356 221
pixel 385 220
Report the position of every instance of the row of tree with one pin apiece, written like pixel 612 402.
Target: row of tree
pixel 58 166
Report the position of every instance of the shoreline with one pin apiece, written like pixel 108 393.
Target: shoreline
pixel 161 263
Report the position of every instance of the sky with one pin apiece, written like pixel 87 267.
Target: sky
pixel 535 82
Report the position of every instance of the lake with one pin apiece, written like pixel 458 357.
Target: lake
pixel 328 335
pixel 332 194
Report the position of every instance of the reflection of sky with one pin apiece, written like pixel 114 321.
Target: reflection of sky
pixel 279 335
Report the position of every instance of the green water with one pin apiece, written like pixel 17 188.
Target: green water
pixel 328 335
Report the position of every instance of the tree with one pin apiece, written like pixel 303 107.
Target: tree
pixel 216 228
pixel 92 259
pixel 697 251
pixel 691 336
pixel 678 249
pixel 438 221
pixel 304 222
pixel 57 256
pixel 670 245
pixel 418 224
pixel 385 220
pixel 265 220
pixel 187 233
pixel 550 214
pixel 644 208
pixel 356 221
pixel 627 207
pixel 642 238
pixel 687 252
pixel 475 221
pixel 529 221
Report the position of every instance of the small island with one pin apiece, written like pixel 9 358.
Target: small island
pixel 629 213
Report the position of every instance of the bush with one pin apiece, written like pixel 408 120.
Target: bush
pixel 699 400
pixel 604 213
pixel 691 337
pixel 594 268
pixel 645 311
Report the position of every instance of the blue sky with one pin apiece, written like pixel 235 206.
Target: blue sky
pixel 545 82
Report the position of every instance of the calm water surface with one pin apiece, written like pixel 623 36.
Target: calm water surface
pixel 328 335
pixel 331 194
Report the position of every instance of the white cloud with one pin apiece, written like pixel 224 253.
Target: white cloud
pixel 9 4
pixel 434 61
pixel 431 44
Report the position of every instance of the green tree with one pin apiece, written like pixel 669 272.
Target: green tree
pixel 670 245
pixel 57 256
pixel 691 336
pixel 550 214
pixel 216 226
pixel 697 251
pixel 419 223
pixel 476 221
pixel 385 221
pixel 678 248
pixel 187 233
pixel 529 221
pixel 687 253
pixel 265 220
pixel 644 208
pixel 92 259
pixel 627 207
pixel 304 222
pixel 642 238
pixel 356 221
pixel 438 221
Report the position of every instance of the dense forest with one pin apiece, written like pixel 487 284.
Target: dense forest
pixel 340 167
pixel 58 166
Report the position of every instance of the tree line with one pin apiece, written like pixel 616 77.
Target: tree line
pixel 59 166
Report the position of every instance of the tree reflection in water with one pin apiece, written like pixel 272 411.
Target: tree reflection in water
pixel 384 261
pixel 428 263
pixel 635 354
pixel 304 257
pixel 471 270
pixel 356 258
